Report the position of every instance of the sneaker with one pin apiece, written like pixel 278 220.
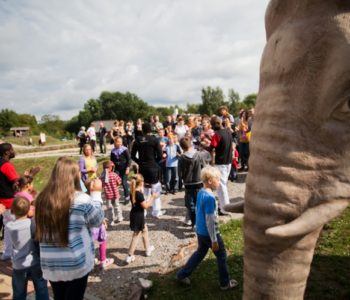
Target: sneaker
pixel 106 263
pixel 129 259
pixel 187 222
pixel 113 223
pixel 97 262
pixel 232 283
pixel 149 251
pixel 186 280
pixel 162 212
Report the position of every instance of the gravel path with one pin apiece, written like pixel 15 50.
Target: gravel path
pixel 168 234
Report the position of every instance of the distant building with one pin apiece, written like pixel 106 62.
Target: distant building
pixel 20 131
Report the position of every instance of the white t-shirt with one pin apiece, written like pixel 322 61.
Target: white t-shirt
pixel 91 133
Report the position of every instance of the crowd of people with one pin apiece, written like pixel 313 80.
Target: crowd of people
pixel 197 154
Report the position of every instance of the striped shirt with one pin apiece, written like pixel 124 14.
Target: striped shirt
pixel 110 188
pixel 77 259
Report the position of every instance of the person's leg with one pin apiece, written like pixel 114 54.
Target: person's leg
pixel 125 185
pixel 174 180
pixel 222 189
pixel 167 179
pixel 118 210
pixel 103 250
pixel 19 284
pixel 145 238
pixel 157 205
pixel 40 284
pixel 204 244
pixel 76 288
pixel 59 289
pixel 221 258
pixel 134 241
pixel 110 215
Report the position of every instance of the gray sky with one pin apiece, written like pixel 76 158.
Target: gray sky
pixel 55 55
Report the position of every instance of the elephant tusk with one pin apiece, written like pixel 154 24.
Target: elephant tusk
pixel 310 220
pixel 237 207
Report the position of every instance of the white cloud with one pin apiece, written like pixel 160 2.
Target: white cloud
pixel 55 55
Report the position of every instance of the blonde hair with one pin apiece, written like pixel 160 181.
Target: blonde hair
pixel 136 181
pixel 210 172
pixel 54 202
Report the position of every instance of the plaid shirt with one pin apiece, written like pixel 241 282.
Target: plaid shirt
pixel 111 187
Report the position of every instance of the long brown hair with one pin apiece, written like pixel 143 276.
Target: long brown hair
pixel 54 202
pixel 136 181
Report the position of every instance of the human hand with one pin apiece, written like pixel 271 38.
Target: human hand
pixel 2 209
pixel 127 171
pixel 215 246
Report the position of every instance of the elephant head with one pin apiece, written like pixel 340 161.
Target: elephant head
pixel 299 175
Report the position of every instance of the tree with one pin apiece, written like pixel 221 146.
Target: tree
pixel 212 99
pixel 192 108
pixel 233 101
pixel 249 101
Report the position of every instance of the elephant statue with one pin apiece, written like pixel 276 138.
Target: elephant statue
pixel 299 167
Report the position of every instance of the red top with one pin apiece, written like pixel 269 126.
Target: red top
pixel 111 187
pixel 9 171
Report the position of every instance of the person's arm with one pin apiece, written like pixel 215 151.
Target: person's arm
pixel 82 166
pixel 149 202
pixel 133 152
pixel 159 152
pixel 179 169
pixel 210 220
pixel 127 160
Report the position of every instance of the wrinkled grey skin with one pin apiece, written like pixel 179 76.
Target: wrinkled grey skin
pixel 299 175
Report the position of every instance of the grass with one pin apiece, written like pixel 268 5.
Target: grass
pixel 46 164
pixel 23 140
pixel 329 277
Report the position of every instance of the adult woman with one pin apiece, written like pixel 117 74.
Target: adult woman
pixel 63 217
pixel 244 137
pixel 88 164
pixel 180 128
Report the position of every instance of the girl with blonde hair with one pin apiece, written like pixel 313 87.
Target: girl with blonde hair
pixel 137 216
pixel 64 215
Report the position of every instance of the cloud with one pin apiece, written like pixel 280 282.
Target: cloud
pixel 55 55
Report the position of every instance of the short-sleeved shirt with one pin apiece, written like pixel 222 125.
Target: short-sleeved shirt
pixel 8 175
pixel 206 205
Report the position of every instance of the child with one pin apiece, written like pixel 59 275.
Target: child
pixel 137 216
pixel 234 167
pixel 25 189
pixel 191 163
pixel 99 234
pixel 25 260
pixel 63 217
pixel 208 235
pixel 110 182
pixel 173 152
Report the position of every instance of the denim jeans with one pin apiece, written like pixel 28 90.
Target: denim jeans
pixel 171 178
pixel 125 184
pixel 20 281
pixel 190 203
pixel 204 243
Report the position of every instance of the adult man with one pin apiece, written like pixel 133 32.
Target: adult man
pixel 147 153
pixel 222 143
pixel 91 132
pixel 8 177
pixel 102 138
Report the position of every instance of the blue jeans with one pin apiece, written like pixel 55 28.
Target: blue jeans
pixel 171 178
pixel 124 178
pixel 204 243
pixel 20 281
pixel 190 203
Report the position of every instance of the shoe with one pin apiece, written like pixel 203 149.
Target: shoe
pixel 232 283
pixel 186 280
pixel 187 222
pixel 97 262
pixel 172 192
pixel 149 251
pixel 162 212
pixel 113 223
pixel 106 263
pixel 129 259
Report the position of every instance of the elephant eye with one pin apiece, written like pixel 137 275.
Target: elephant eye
pixel 346 106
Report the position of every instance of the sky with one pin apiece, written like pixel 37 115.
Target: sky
pixel 56 55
